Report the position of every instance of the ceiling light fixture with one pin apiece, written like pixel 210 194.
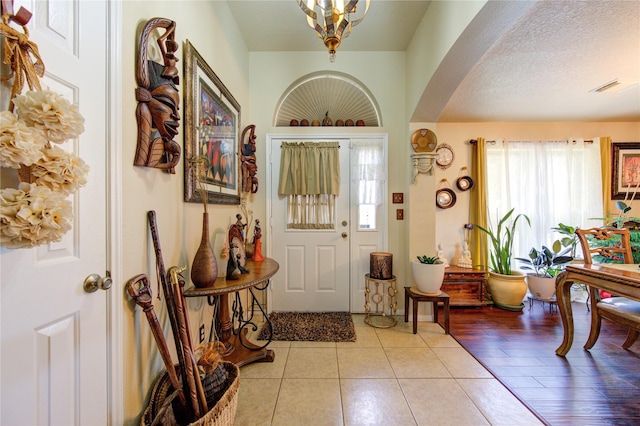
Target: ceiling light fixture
pixel 332 20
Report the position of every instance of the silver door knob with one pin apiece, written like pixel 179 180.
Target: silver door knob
pixel 95 282
pixel 345 235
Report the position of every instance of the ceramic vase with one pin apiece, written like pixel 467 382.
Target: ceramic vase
pixel 204 269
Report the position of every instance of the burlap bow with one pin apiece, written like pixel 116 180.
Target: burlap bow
pixel 23 56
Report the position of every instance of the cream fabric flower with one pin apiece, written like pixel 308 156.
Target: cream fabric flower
pixel 32 215
pixel 60 170
pixel 50 112
pixel 19 144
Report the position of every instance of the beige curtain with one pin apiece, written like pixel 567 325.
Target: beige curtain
pixel 605 158
pixel 309 168
pixel 478 245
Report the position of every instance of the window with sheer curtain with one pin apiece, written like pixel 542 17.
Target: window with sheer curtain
pixel 368 172
pixel 551 182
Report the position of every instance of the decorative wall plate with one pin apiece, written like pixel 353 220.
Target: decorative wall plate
pixel 445 156
pixel 445 198
pixel 424 140
pixel 464 183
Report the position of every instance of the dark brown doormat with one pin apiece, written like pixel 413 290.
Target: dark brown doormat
pixel 310 327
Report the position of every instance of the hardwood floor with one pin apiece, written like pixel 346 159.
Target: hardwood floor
pixel 596 387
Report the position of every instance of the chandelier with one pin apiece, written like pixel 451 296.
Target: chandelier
pixel 332 20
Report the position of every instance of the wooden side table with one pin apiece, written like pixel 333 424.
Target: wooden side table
pixel 465 285
pixel 443 297
pixel 383 296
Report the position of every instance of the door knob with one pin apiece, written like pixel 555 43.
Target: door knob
pixel 95 282
pixel 345 235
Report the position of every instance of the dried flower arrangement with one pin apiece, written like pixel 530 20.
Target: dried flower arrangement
pixel 38 211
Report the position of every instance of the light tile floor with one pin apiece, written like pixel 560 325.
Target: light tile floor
pixel 387 377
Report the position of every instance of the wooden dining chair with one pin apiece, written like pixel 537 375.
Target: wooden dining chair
pixel 611 243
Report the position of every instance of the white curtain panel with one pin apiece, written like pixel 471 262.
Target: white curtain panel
pixel 551 182
pixel 368 171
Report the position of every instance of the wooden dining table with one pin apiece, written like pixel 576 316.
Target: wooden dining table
pixel 619 279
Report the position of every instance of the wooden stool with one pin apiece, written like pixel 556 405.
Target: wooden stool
pixel 421 297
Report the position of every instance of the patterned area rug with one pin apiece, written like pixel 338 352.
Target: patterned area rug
pixel 310 327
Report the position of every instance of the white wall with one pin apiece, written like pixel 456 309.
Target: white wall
pixel 210 27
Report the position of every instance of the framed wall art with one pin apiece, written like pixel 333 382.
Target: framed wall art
pixel 625 170
pixel 212 130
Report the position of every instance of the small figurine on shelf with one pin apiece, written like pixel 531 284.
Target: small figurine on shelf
pixel 441 256
pixel 233 272
pixel 257 243
pixel 464 261
pixel 239 225
pixel 242 269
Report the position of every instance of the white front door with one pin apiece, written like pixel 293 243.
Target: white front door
pixel 314 264
pixel 54 335
pixel 324 270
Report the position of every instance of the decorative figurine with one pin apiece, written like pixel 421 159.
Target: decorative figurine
pixel 158 100
pixel 237 253
pixel 257 243
pixel 464 261
pixel 233 272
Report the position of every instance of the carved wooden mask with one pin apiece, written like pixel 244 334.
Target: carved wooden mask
pixel 158 100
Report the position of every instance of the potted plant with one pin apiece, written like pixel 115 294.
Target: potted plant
pixel 570 238
pixel 546 264
pixel 506 286
pixel 428 274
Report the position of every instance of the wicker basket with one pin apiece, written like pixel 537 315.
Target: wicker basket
pixel 160 410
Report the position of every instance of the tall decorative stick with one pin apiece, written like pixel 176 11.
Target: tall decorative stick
pixel 168 295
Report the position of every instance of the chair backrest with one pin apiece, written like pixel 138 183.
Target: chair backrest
pixel 620 248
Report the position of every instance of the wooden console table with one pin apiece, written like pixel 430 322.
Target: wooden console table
pixel 237 348
pixel 465 286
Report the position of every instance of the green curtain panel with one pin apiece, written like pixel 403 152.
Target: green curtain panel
pixel 309 168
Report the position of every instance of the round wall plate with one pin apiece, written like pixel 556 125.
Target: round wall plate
pixel 445 155
pixel 424 140
pixel 464 183
pixel 445 198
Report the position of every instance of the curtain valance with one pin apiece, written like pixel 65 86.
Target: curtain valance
pixel 309 168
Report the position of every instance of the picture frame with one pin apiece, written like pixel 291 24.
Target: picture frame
pixel 212 129
pixel 625 170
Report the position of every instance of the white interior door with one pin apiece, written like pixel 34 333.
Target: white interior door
pixel 314 264
pixel 54 335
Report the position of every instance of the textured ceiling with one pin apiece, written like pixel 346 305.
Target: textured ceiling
pixel 542 62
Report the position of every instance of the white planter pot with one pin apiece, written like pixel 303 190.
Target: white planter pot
pixel 428 277
pixel 542 288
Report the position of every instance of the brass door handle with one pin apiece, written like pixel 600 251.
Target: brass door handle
pixel 95 282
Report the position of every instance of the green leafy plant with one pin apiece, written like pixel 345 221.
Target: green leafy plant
pixel 547 262
pixel 501 242
pixel 434 260
pixel 570 238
